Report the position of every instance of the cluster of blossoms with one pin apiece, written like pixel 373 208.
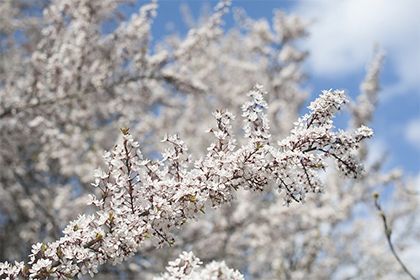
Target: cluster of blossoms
pixel 364 108
pixel 187 267
pixel 142 199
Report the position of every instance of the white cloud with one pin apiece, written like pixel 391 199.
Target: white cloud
pixel 345 32
pixel 412 133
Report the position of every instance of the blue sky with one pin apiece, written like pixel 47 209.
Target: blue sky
pixel 343 35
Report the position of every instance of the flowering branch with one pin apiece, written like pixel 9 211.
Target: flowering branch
pixel 144 199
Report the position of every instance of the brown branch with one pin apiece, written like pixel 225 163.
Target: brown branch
pixel 130 183
pixel 351 168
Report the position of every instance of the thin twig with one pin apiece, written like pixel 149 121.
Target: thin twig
pixel 388 233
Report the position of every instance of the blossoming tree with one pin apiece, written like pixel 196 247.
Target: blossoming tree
pixel 239 179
